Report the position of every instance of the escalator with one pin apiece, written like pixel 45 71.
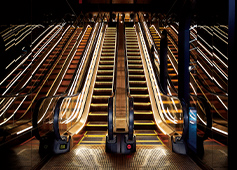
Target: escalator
pixel 53 77
pixel 91 115
pixel 96 127
pixel 201 83
pixel 24 65
pixel 144 125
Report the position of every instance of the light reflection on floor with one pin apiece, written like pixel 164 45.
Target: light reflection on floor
pixel 95 157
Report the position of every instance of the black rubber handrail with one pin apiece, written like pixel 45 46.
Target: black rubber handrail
pixel 207 108
pixel 110 118
pixel 131 118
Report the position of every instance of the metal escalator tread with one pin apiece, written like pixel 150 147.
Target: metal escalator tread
pixel 96 127
pixel 93 138
pixel 147 137
pixel 144 123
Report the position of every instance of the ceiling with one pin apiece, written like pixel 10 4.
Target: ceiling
pixel 35 10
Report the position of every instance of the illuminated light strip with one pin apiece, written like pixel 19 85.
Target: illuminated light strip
pixel 19 132
pixel 205 57
pixel 41 33
pixel 62 75
pixel 205 48
pixel 60 28
pixel 72 88
pixel 212 78
pixel 13 79
pixel 157 91
pixel 205 70
pixel 90 74
pixel 9 43
pixel 170 117
pixel 171 97
pixel 206 30
pixel 35 68
pixel 156 31
pixel 62 53
pixel 175 68
pixel 13 112
pixel 222 102
pixel 226 66
pixel 15 60
pixel 199 37
pixel 10 29
pixel 192 28
pixel 31 53
pixel 40 63
pixel 54 92
pixel 175 29
pixel 221 38
pixel 13 34
pixel 193 88
pixel 223 32
pixel 220 70
pixel 71 91
pixel 15 39
pixel 226 37
pixel 221 131
pixel 224 26
pixel 220 52
pixel 7 105
pixel 217 82
pixel 77 110
pixel 44 112
pixel 172 63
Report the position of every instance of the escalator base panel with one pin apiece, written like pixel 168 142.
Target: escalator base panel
pixel 145 157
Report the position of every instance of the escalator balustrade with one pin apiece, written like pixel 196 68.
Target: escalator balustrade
pixel 96 127
pixel 144 125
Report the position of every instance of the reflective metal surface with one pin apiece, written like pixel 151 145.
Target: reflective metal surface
pixel 95 157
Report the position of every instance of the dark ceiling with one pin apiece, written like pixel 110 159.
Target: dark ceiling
pixel 34 11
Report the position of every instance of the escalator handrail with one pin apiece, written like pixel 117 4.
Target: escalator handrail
pixel 57 108
pixel 185 109
pixel 49 68
pixel 110 118
pixel 35 128
pixel 63 95
pixel 223 90
pixel 151 55
pixel 16 94
pixel 207 108
pixel 130 98
pixel 131 118
pixel 38 84
pixel 114 85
